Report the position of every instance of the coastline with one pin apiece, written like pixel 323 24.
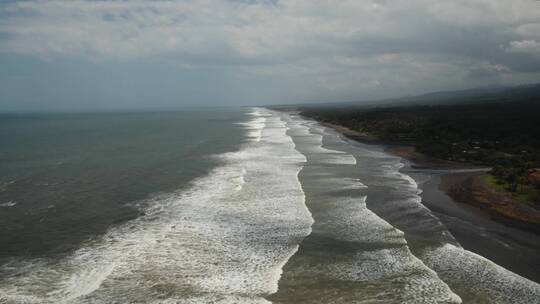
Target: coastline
pixel 461 181
pixel 481 220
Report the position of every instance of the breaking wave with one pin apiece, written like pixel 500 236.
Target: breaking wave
pixel 224 240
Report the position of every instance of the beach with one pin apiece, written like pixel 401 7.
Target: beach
pixel 480 231
pixel 480 220
pixel 290 212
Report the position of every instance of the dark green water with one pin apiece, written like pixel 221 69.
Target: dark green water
pixel 65 178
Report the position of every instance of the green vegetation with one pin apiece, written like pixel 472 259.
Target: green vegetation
pixel 504 135
pixel 527 193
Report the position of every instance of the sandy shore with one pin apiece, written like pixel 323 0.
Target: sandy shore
pixel 481 220
pixel 512 244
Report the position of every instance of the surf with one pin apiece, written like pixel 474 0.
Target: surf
pixel 223 240
pixel 352 255
pixel 379 241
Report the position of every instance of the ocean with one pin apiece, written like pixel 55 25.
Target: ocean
pixel 229 206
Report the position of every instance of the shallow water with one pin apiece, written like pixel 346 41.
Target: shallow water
pixel 374 242
pixel 352 255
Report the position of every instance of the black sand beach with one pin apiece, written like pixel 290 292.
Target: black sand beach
pixel 339 256
pixel 477 230
pixel 510 243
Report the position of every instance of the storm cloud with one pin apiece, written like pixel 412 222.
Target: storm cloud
pixel 144 54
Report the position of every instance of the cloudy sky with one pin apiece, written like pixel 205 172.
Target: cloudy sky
pixel 84 55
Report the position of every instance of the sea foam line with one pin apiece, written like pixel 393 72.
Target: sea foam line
pixel 346 219
pixel 468 274
pixel 225 239
pixel 304 129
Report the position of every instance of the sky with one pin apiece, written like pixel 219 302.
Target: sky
pixel 99 55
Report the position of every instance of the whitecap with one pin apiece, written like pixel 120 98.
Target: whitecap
pixel 8 204
pixel 225 239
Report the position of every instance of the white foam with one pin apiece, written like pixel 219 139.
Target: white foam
pixel 348 219
pixel 369 249
pixel 407 276
pixel 308 133
pixel 467 273
pixel 349 183
pixel 8 204
pixel 5 185
pixel 480 277
pixel 409 208
pixel 240 181
pixel 224 240
pixel 256 124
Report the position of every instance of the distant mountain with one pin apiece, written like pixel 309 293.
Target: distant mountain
pixel 476 95
pixel 483 94
pixel 460 93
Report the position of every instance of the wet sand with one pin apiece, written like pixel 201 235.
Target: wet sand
pixel 510 243
pixel 352 254
pixel 480 231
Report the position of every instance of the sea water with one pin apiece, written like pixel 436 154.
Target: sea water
pixel 236 206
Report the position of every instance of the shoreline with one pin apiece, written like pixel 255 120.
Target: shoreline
pixel 506 243
pixel 474 214
pixel 461 181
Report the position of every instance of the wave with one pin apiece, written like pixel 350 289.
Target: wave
pixel 255 125
pixel 475 278
pixel 8 204
pixel 394 197
pixel 352 255
pixel 223 240
pixel 310 134
pixel 478 279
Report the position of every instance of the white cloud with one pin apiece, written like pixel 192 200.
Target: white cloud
pixel 370 47
pixel 525 46
pixel 238 30
pixel 530 30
